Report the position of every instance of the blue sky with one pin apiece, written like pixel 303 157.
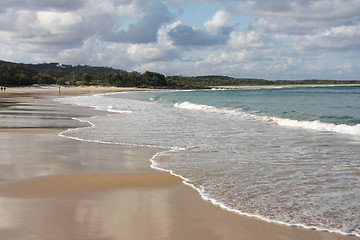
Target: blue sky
pixel 271 39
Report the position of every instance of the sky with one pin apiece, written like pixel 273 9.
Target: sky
pixel 270 39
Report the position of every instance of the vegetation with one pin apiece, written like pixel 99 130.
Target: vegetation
pixel 208 81
pixel 13 74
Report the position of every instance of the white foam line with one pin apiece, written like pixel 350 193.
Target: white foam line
pixel 186 181
pixel 63 134
pixel 215 202
pixel 317 125
pixel 201 191
pixel 283 122
pixel 115 110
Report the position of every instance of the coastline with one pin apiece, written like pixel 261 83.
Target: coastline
pixel 109 199
pixel 284 86
pixel 68 90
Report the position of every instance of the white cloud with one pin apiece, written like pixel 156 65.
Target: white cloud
pixel 228 57
pixel 218 21
pixel 57 22
pixel 284 39
pixel 162 50
pixel 335 39
pixel 162 36
pixel 300 16
pixel 144 52
pixel 240 40
pixel 112 8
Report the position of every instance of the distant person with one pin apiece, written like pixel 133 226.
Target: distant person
pixel 1 88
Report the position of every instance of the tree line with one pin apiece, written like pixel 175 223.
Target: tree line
pixel 28 74
pixel 213 81
pixel 13 74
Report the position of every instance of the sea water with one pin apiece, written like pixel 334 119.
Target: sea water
pixel 287 155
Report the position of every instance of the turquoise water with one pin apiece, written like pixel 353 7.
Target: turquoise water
pixel 339 105
pixel 288 155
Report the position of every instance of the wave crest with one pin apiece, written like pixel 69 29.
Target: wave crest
pixel 315 125
pixel 116 110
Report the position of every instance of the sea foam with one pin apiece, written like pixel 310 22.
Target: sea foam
pixel 215 160
pixel 315 125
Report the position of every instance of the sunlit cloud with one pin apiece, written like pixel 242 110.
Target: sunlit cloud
pixel 252 38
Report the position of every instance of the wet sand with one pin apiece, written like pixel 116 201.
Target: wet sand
pixel 57 188
pixel 56 90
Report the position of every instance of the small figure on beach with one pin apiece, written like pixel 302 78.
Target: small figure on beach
pixel 1 88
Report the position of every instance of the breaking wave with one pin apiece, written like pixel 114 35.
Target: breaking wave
pixel 315 125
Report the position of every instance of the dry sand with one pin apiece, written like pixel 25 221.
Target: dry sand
pixel 56 188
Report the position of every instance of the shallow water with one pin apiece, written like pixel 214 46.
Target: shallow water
pixel 288 155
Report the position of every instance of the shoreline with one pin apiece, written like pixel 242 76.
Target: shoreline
pixel 67 90
pixel 258 217
pixel 70 90
pixel 185 213
pixel 285 86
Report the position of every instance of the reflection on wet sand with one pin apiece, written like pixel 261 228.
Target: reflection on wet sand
pixel 107 215
pixel 53 188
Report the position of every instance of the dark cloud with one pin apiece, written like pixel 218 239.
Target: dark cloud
pixel 51 30
pixel 273 5
pixel 145 30
pixel 184 35
pixel 53 43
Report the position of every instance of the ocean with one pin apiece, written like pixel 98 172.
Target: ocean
pixel 289 155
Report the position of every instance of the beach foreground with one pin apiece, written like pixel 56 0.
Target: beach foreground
pixel 58 188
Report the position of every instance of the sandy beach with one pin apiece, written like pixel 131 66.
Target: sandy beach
pixel 57 188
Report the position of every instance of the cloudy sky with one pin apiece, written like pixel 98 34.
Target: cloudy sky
pixel 271 39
